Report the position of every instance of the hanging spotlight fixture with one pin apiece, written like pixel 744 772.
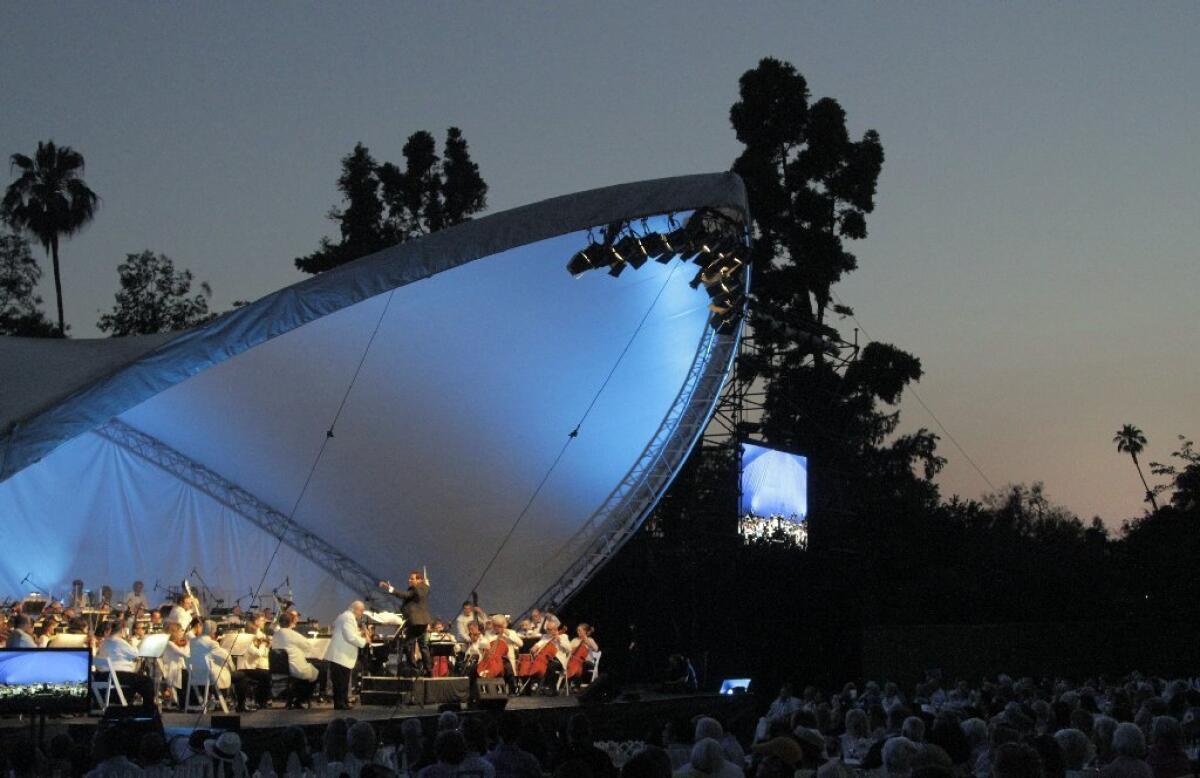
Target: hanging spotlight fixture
pixel 709 239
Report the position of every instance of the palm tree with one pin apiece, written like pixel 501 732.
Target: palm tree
pixel 1129 439
pixel 49 200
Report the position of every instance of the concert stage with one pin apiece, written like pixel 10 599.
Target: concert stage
pixel 629 717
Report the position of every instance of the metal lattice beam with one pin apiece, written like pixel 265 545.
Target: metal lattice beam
pixel 628 505
pixel 149 448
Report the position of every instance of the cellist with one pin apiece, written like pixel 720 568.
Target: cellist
pixel 550 656
pixel 583 648
pixel 501 654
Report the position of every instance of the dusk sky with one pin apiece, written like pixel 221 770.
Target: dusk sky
pixel 1036 229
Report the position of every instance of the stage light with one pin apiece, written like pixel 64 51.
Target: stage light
pixel 709 239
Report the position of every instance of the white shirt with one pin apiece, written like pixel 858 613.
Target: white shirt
pixel 134 601
pixel 209 658
pixel 560 642
pixel 116 653
pixel 19 639
pixel 298 648
pixel 255 657
pixel 180 616
pixel 477 649
pixel 460 625
pixel 345 641
pixel 174 660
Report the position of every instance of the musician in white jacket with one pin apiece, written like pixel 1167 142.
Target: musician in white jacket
pixel 298 649
pixel 209 660
pixel 117 654
pixel 342 653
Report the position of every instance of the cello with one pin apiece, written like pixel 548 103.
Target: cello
pixel 580 653
pixel 491 665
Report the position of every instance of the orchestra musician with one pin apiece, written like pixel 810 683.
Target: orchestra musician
pixel 415 609
pixel 46 631
pixel 342 654
pixel 106 595
pixel 476 645
pixel 183 612
pixel 550 656
pixel 135 600
pixel 21 633
pixel 510 642
pixel 115 653
pixel 471 614
pixel 583 653
pixel 255 661
pixel 174 659
pixel 206 649
pixel 298 648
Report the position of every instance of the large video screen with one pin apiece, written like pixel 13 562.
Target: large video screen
pixel 52 680
pixel 774 484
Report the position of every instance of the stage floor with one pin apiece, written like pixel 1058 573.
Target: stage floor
pixel 554 709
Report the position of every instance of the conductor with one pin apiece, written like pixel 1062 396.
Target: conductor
pixel 414 606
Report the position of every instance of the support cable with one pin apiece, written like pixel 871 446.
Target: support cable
pixel 304 488
pixel 932 415
pixel 574 433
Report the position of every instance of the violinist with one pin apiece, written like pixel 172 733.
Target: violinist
pixel 550 656
pixel 476 646
pixel 583 653
pixel 255 661
pixel 174 661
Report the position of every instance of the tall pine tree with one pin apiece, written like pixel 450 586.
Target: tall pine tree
pixel 385 204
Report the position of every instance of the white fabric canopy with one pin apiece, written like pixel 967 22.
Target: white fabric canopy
pixel 449 421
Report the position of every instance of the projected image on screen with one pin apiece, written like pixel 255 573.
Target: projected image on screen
pixel 774 498
pixel 44 679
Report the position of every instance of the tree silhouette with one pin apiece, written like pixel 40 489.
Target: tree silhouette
pixel 20 305
pixel 1130 440
pixel 386 205
pixel 50 200
pixel 155 297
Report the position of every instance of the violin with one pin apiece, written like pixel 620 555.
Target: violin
pixel 491 665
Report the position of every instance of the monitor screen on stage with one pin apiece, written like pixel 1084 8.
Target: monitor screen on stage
pixel 735 685
pixel 48 680
pixel 774 484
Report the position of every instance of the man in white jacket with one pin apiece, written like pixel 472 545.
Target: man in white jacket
pixel 342 653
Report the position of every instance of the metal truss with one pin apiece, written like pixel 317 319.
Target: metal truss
pixel 628 505
pixel 277 525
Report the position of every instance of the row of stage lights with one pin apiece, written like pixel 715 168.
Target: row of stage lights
pixel 708 239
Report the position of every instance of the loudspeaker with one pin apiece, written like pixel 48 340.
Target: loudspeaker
pixel 490 694
pixel 440 690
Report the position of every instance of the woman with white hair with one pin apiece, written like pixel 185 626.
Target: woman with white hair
pixel 1129 745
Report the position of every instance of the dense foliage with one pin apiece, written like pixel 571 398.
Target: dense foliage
pixel 155 297
pixel 386 204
